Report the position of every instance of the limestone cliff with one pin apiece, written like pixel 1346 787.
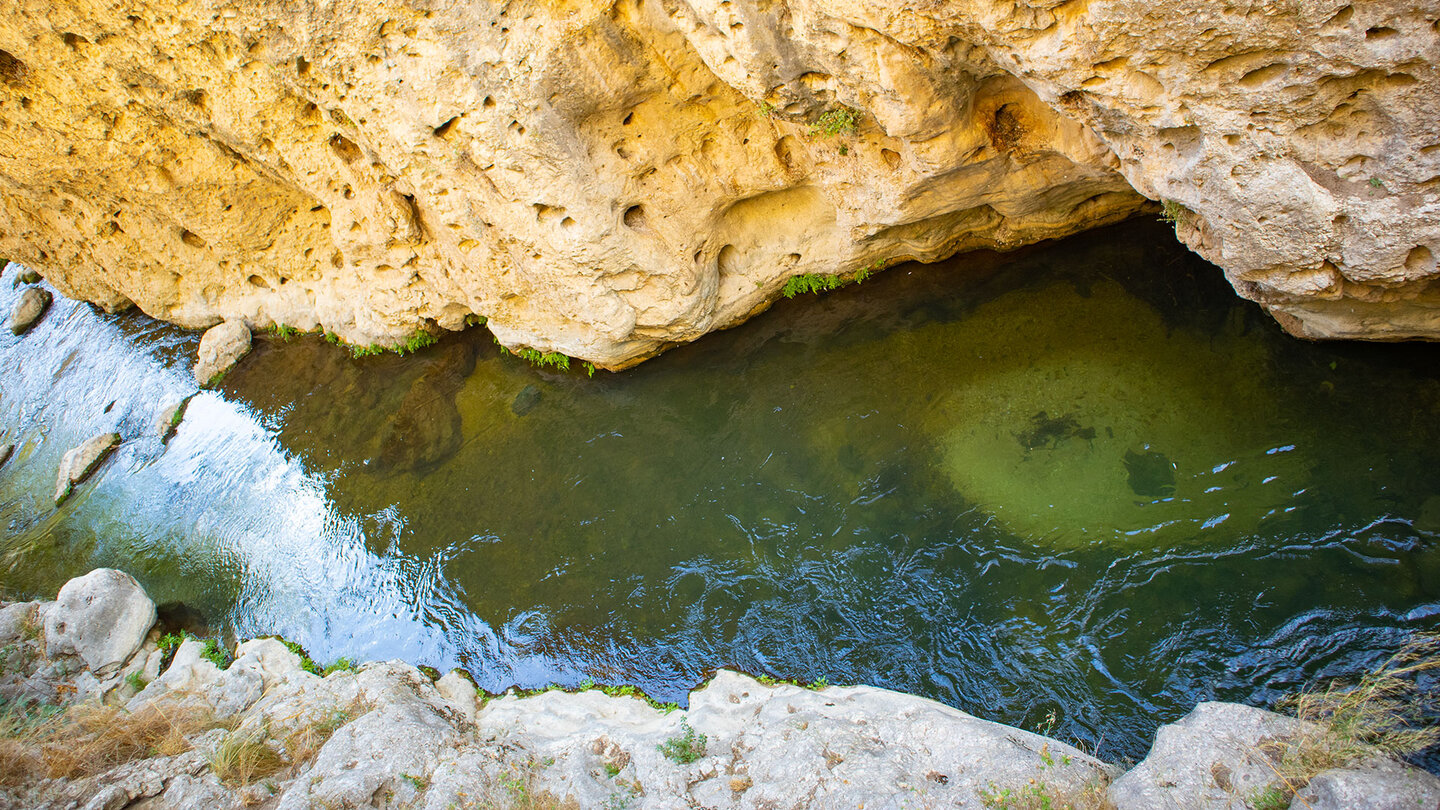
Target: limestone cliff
pixel 608 178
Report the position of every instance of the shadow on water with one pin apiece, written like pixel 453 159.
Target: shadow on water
pixel 1080 478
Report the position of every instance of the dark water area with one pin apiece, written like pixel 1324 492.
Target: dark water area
pixel 1083 478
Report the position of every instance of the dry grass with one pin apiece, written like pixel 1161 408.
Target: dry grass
pixel 90 739
pixel 1389 714
pixel 245 755
pixel 304 742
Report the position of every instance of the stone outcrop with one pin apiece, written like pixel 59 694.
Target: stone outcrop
pixel 265 727
pixel 608 178
pixel 78 463
pixel 221 347
pixel 28 309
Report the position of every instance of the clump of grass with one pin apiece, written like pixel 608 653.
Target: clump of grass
pixel 836 122
pixel 685 747
pixel 1389 713
pixel 306 739
pixel 245 756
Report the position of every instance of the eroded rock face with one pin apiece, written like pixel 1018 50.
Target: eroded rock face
pixel 596 178
pixel 608 178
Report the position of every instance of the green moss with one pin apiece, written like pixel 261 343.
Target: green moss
pixel 430 672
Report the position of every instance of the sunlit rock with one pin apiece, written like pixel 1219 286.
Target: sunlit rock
pixel 79 463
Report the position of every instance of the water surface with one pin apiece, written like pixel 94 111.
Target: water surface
pixel 1082 478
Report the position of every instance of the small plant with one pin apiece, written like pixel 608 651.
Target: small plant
pixel 417 782
pixel 340 665
pixel 685 747
pixel 217 655
pixel 589 369
pixel 417 341
pixel 612 769
pixel 136 681
pixel 284 332
pixel 474 320
pixel 814 283
pixel 1271 797
pixel 836 122
pixel 358 352
pixel 543 359
pixel 306 663
pixel 1172 212
pixel 764 109
pixel 1376 182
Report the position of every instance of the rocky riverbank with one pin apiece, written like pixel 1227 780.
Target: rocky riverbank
pixel 103 709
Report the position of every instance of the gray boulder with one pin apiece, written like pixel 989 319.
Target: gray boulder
pixel 1380 785
pixel 1220 755
pixel 79 463
pixel 32 304
pixel 101 618
pixel 221 347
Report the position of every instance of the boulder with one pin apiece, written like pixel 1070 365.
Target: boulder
pixel 32 304
pixel 102 618
pixel 1219 756
pixel 1380 785
pixel 79 463
pixel 221 347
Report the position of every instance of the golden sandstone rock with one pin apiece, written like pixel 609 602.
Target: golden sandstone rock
pixel 605 179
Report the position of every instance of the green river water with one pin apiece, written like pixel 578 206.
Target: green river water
pixel 1083 478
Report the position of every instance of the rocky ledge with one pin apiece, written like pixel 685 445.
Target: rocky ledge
pixel 606 178
pixel 103 712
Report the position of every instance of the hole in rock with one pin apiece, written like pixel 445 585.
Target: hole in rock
pixel 635 217
pixel 344 148
pixel 191 239
pixel 444 129
pixel 1380 32
pixel 12 71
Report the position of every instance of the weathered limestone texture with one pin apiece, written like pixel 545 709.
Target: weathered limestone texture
pixel 261 728
pixel 606 178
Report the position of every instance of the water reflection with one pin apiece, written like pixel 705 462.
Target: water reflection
pixel 1081 478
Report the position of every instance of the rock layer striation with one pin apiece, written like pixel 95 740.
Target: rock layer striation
pixel 605 179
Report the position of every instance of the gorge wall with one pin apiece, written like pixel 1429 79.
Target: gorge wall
pixel 605 179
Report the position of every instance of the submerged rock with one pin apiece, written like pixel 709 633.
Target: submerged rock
pixel 525 401
pixel 26 276
pixel 221 347
pixel 31 306
pixel 101 617
pixel 79 463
